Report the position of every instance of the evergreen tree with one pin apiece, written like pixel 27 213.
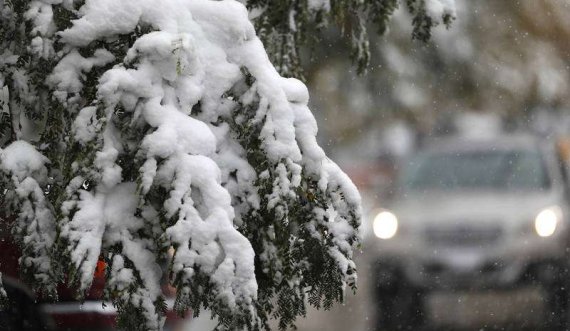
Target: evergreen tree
pixel 131 129
pixel 286 25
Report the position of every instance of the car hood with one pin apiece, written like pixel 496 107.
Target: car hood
pixel 447 208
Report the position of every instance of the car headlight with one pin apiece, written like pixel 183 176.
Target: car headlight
pixel 547 220
pixel 385 225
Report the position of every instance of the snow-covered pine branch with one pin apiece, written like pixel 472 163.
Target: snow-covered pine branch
pixel 285 26
pixel 23 173
pixel 137 128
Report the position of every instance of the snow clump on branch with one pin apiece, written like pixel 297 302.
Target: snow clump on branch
pixel 169 130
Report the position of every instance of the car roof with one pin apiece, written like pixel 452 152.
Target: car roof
pixel 501 143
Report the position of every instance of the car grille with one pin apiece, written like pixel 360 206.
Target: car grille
pixel 463 235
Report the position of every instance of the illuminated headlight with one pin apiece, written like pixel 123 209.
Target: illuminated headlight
pixel 385 225
pixel 547 220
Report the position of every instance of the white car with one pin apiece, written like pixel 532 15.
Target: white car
pixel 475 215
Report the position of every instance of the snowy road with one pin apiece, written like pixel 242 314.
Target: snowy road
pixel 517 311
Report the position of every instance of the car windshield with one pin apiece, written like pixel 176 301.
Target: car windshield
pixel 485 170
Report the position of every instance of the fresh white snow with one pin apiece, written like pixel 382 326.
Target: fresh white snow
pixel 195 53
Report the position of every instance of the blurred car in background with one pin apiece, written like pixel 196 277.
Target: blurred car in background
pixel 473 214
